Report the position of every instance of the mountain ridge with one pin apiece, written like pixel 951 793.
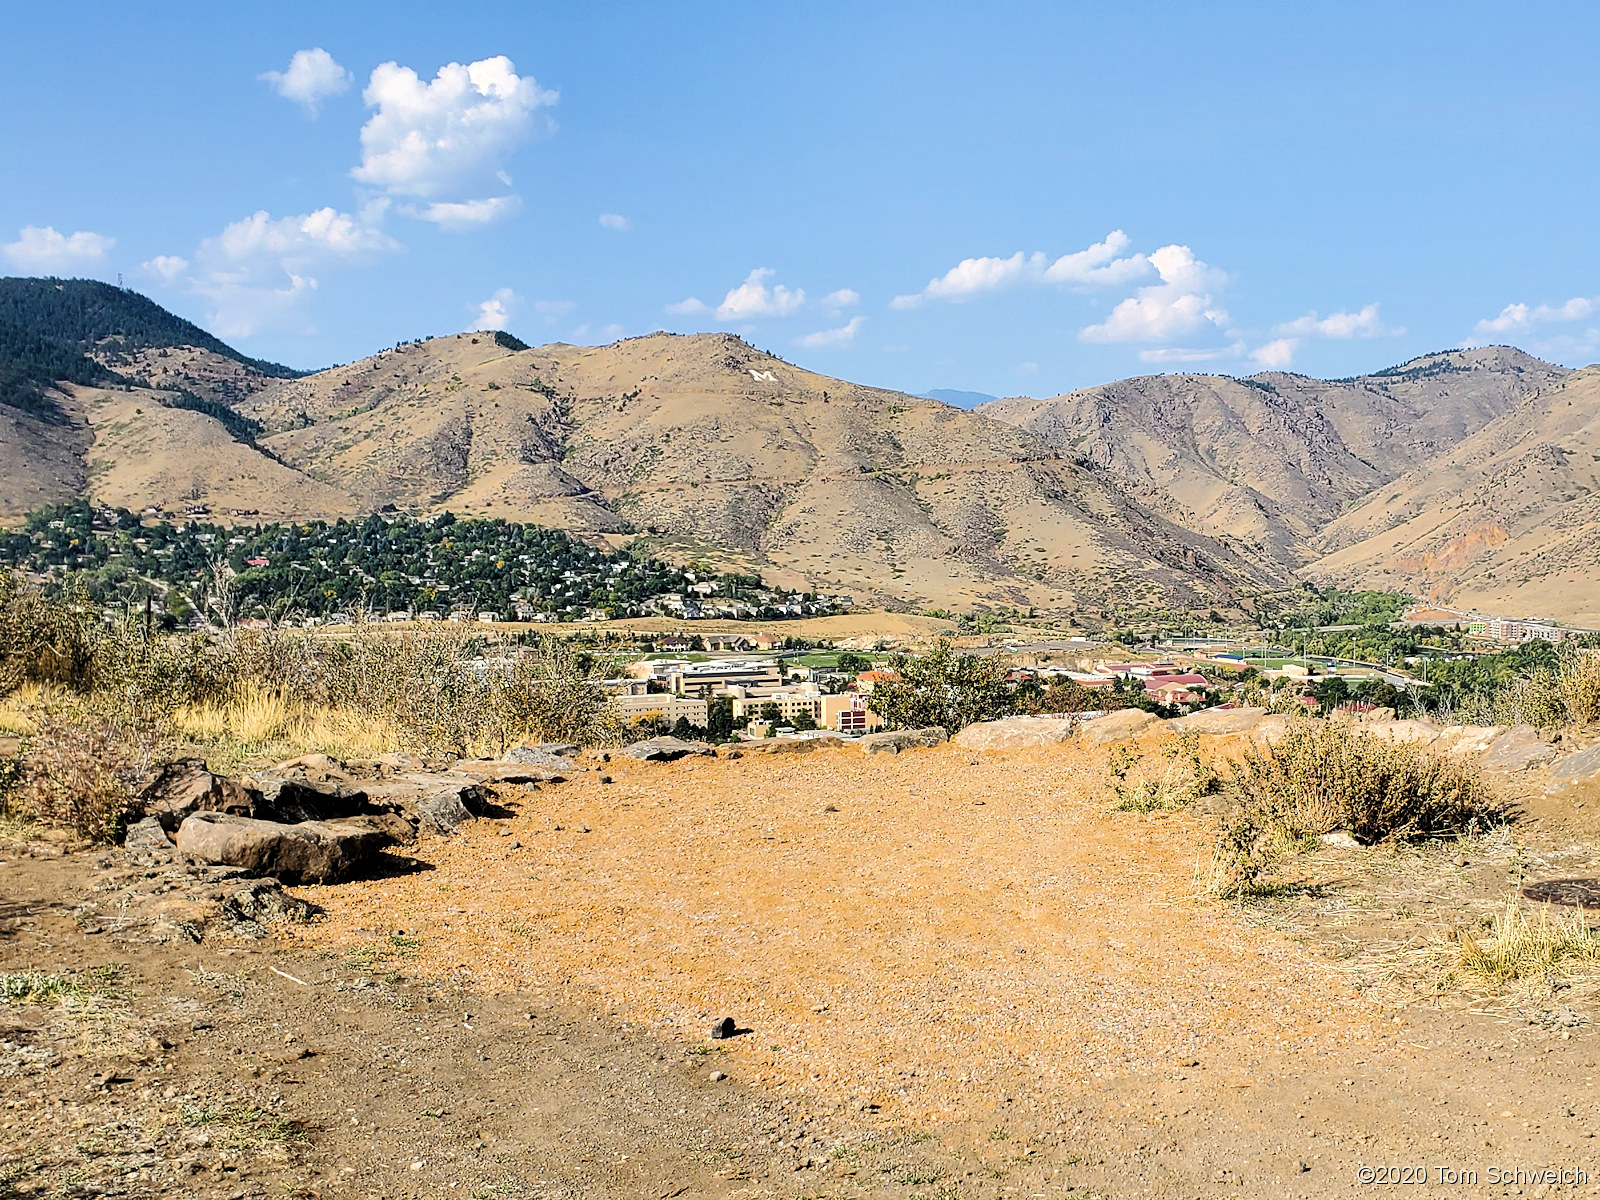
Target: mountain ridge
pixel 1176 491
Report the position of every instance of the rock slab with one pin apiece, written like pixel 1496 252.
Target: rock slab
pixel 903 739
pixel 306 852
pixel 1219 721
pixel 1118 726
pixel 1519 748
pixel 665 749
pixel 1574 769
pixel 1014 733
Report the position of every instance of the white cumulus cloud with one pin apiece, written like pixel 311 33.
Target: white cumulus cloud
pixel 447 141
pixel 843 298
pixel 495 312
pixel 693 306
pixel 170 267
pixel 616 222
pixel 1276 355
pixel 462 216
pixel 1180 304
pixel 1522 318
pixel 39 249
pixel 1339 325
pixel 833 339
pixel 258 271
pixel 1190 354
pixel 312 77
pixel 753 298
pixel 1098 264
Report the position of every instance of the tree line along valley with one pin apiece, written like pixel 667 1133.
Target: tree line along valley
pixel 193 571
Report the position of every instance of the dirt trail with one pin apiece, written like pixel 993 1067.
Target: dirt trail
pixel 969 981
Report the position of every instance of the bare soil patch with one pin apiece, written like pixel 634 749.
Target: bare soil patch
pixel 968 979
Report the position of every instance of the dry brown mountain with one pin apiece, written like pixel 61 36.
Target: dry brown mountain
pixel 1462 474
pixel 702 446
pixel 1266 462
pixel 1507 521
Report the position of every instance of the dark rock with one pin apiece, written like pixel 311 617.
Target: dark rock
pixel 665 749
pixel 185 786
pixel 447 809
pixel 724 1028
pixel 395 829
pixel 305 852
pixel 293 800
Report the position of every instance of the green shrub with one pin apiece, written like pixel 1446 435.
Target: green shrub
pixel 942 688
pixel 1327 776
pixel 1174 779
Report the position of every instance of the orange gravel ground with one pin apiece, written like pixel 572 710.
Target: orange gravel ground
pixel 962 929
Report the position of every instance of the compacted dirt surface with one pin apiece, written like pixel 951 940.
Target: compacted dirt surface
pixel 951 975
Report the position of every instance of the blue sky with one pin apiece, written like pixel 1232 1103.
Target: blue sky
pixel 1001 198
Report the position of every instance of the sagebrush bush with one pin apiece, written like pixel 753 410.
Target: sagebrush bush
pixel 1579 685
pixel 82 772
pixel 432 690
pixel 1327 776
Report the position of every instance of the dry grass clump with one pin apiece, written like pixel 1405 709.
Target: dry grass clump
pixel 1326 776
pixel 1174 778
pixel 1523 950
pixel 78 771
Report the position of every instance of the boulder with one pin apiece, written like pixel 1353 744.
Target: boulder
pixel 1117 726
pixel 395 829
pixel 1411 732
pixel 1574 769
pixel 903 739
pixel 1219 720
pixel 293 800
pixel 1014 733
pixel 665 749
pixel 184 786
pixel 306 852
pixel 1467 739
pixel 147 836
pixel 1519 748
pixel 447 809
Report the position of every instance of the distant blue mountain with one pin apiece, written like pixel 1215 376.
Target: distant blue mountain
pixel 959 399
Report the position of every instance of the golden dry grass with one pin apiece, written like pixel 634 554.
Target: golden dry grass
pixel 955 931
pixel 259 724
pixel 1528 950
